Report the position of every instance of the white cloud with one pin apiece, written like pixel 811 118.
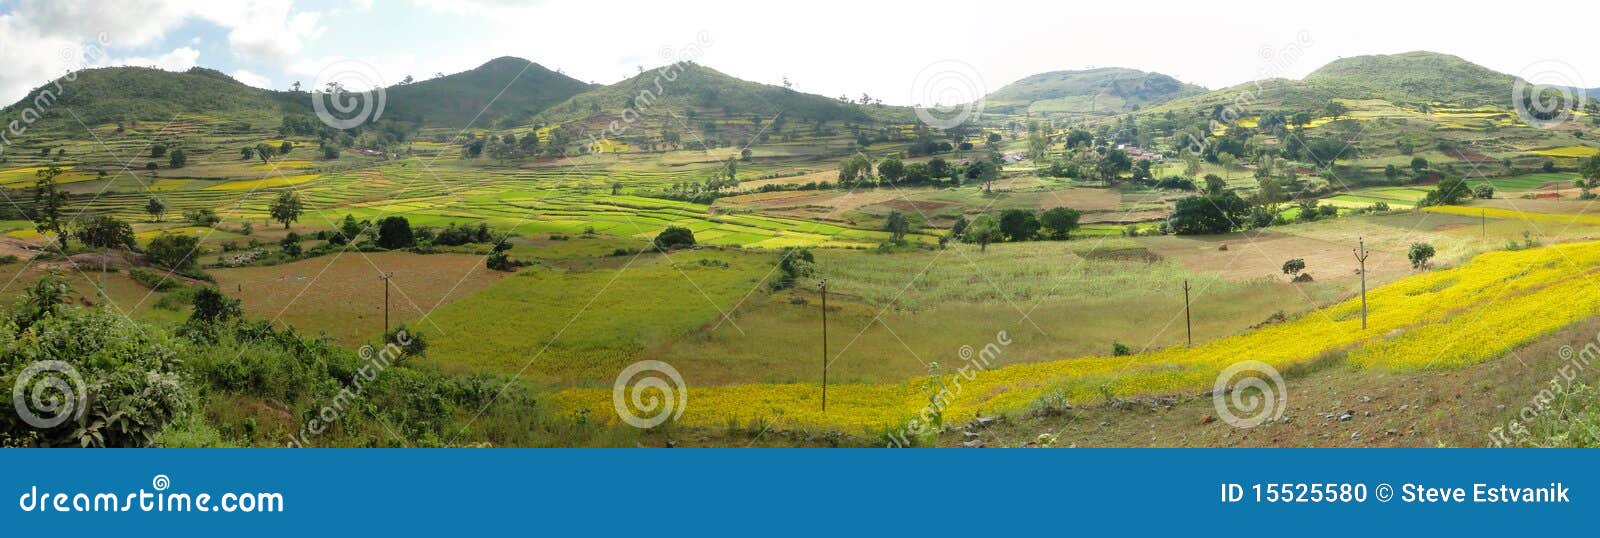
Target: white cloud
pixel 251 79
pixel 264 30
pixel 179 59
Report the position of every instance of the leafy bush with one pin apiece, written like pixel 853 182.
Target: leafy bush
pixel 674 236
pixel 128 373
pixel 154 281
pixel 174 251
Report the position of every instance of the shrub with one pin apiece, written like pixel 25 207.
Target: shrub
pixel 153 281
pixel 1484 191
pixel 212 306
pixel 794 264
pixel 1060 221
pixel 674 236
pixel 174 251
pixel 1119 349
pixel 1294 266
pixel 130 374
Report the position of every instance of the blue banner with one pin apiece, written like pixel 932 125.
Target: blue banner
pixel 259 492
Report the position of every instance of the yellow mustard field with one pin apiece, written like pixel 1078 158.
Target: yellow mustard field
pixel 1437 319
pixel 1507 214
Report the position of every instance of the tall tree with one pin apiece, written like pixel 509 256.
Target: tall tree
pixel 49 202
pixel 287 208
pixel 156 208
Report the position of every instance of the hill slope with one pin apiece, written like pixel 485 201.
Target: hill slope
pixel 505 91
pixel 696 87
pixel 112 94
pixel 1102 91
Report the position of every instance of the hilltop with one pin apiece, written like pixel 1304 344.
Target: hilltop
pixel 1101 91
pixel 504 91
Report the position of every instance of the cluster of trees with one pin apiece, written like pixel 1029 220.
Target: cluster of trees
pixel 265 151
pixel 1017 225
pixel 858 170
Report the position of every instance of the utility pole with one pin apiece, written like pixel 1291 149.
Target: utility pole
pixel 385 278
pixel 1187 326
pixel 824 286
pixel 1483 222
pixel 1361 256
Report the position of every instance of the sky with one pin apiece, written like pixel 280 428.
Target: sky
pixel 904 53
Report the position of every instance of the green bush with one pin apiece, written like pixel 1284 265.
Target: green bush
pixel 675 236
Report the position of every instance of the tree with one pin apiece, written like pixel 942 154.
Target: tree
pixel 1589 171
pixel 1209 214
pixel 1484 191
pixel 1215 184
pixel 394 232
pixel 1038 145
pixel 674 236
pixel 891 169
pixel 247 153
pixel 1112 165
pixel 985 172
pixel 938 168
pixel 982 230
pixel 106 231
pixel 211 306
pixel 1294 267
pixel 1191 165
pixel 1419 254
pixel 794 264
pixel 1335 109
pixel 285 147
pixel 1449 192
pixel 155 208
pixel 286 208
pixel 174 251
pixel 897 225
pixel 1419 164
pixel 49 202
pixel 1019 224
pixel 265 151
pixel 157 150
pixel 856 168
pixel 177 159
pixel 1060 221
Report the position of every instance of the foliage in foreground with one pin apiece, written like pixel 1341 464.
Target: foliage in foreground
pixel 244 383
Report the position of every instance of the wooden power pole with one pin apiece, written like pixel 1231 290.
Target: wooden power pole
pixel 1361 256
pixel 1187 326
pixel 824 286
pixel 385 278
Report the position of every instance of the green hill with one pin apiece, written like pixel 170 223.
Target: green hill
pixel 113 94
pixel 710 92
pixel 1414 77
pixel 1103 91
pixel 506 91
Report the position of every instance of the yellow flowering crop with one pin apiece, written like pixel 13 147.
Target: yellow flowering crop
pixel 1443 318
